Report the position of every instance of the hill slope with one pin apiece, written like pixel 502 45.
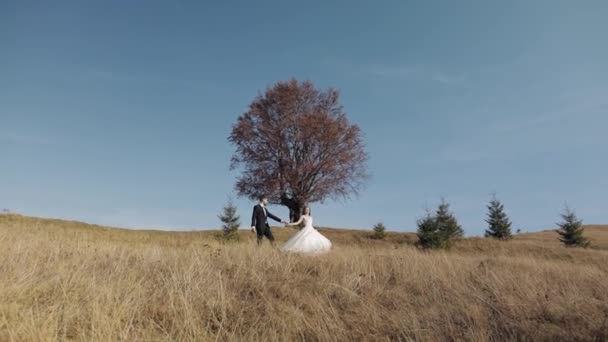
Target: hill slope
pixel 69 281
pixel 338 236
pixel 598 234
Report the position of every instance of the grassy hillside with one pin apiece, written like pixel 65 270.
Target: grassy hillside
pixel 69 281
pixel 598 234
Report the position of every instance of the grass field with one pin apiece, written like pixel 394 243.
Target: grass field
pixel 64 280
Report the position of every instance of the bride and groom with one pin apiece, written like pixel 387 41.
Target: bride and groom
pixel 307 241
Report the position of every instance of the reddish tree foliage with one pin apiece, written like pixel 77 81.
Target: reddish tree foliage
pixel 296 146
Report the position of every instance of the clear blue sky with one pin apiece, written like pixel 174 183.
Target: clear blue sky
pixel 118 112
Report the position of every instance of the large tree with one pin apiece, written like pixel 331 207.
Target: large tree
pixel 296 146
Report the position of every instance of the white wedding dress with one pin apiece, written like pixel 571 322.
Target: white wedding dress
pixel 308 240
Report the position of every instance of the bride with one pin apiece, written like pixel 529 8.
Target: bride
pixel 308 240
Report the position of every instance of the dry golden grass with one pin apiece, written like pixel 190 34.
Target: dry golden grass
pixel 68 281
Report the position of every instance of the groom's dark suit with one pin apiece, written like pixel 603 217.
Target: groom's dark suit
pixel 259 220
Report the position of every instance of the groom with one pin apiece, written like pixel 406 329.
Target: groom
pixel 259 221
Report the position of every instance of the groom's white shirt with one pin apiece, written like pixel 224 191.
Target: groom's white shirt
pixel 265 213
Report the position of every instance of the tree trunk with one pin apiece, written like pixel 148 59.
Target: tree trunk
pixel 295 208
pixel 295 212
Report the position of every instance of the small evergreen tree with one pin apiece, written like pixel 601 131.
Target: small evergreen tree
pixel 439 230
pixel 447 224
pixel 379 231
pixel 230 221
pixel 499 226
pixel 428 233
pixel 571 230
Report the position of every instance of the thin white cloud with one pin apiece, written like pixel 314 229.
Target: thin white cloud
pixel 398 71
pixel 514 138
pixel 110 76
pixel 165 219
pixel 445 79
pixel 464 153
pixel 581 109
pixel 392 71
pixel 20 138
pixel 415 72
pixel 116 76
